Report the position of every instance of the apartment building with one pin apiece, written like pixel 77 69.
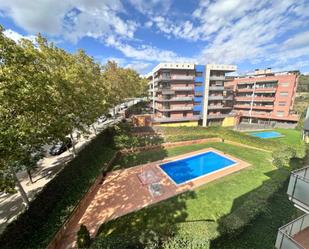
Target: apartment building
pixel 296 233
pixel 187 93
pixel 266 97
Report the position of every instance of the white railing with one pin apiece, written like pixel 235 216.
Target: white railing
pixel 298 190
pixel 285 237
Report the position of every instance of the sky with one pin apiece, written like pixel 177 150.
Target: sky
pixel 142 33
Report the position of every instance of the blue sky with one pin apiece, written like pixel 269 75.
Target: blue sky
pixel 140 34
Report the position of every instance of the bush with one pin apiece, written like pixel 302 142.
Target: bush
pixel 256 203
pixel 83 237
pixel 35 227
pixel 281 157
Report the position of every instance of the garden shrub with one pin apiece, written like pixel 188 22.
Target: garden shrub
pixel 35 227
pixel 256 203
pixel 83 237
pixel 281 157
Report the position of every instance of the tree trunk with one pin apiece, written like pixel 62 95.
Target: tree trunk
pixel 94 129
pixel 30 176
pixel 73 145
pixel 20 188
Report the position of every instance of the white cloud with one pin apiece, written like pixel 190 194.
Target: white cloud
pixel 16 36
pixel 152 6
pixel 144 52
pixel 69 18
pixel 299 40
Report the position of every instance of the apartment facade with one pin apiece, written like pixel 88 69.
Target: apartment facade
pixel 266 97
pixel 185 93
pixel 296 233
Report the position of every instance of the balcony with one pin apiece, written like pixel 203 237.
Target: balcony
pixel 266 89
pixel 175 99
pixel 198 99
pixel 215 97
pixel 180 108
pixel 216 88
pixel 264 99
pixel 199 79
pixel 183 88
pixel 218 116
pixel 166 91
pixel 294 235
pixel 298 190
pixel 263 107
pixel 245 89
pixel 243 98
pixel 242 106
pixel 245 83
pixel 199 89
pixel 197 108
pixel 214 77
pixel 182 77
pixel 219 107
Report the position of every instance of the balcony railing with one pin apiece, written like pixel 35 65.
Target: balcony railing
pixel 214 77
pixel 298 190
pixel 218 116
pixel 294 235
pixel 175 99
pixel 215 97
pixel 263 107
pixel 182 77
pixel 180 108
pixel 216 88
pixel 166 91
pixel 218 107
pixel 265 89
pixel 183 88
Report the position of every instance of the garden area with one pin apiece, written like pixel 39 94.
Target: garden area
pixel 225 207
pixel 220 211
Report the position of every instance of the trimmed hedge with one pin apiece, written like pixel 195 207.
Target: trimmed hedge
pixel 52 206
pixel 256 203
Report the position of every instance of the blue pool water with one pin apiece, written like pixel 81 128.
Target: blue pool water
pixel 186 169
pixel 266 134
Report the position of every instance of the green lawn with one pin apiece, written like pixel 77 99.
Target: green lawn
pixel 263 232
pixel 195 214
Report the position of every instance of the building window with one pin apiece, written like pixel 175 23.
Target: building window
pixel 280 113
pixel 198 74
pixel 282 103
pixel 185 114
pixel 284 84
pixel 283 94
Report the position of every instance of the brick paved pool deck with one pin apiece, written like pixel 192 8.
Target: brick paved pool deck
pixel 123 192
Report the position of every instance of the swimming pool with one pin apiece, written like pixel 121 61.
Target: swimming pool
pixel 189 168
pixel 266 134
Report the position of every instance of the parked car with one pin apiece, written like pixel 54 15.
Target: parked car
pixel 102 119
pixel 60 147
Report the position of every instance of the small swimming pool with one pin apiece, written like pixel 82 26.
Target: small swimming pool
pixel 189 168
pixel 266 134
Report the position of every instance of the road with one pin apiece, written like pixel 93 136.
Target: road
pixel 11 204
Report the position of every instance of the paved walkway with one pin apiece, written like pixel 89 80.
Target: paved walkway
pixel 124 191
pixel 11 205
